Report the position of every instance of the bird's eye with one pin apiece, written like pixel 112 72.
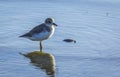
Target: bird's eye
pixel 49 21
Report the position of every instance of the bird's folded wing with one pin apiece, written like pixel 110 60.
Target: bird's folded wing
pixel 37 29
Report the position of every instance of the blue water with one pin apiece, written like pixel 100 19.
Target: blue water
pixel 93 24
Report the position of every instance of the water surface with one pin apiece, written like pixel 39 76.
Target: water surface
pixel 93 24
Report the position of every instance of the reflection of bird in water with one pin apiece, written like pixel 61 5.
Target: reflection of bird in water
pixel 41 32
pixel 43 60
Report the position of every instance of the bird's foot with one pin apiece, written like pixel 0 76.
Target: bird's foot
pixel 41 51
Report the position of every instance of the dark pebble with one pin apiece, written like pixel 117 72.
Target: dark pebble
pixel 69 40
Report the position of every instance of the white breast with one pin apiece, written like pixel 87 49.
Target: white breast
pixel 52 31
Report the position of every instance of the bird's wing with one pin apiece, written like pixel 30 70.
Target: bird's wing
pixel 37 29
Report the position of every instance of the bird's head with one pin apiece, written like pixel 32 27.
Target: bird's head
pixel 50 21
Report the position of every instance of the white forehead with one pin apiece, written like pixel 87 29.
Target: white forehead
pixel 50 19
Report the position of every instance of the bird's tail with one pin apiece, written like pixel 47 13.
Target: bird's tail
pixel 25 35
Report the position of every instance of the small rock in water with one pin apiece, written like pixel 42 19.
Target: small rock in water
pixel 69 40
pixel 45 61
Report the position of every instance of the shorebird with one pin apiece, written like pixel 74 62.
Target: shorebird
pixel 41 32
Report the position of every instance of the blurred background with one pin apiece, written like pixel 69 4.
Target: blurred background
pixel 93 24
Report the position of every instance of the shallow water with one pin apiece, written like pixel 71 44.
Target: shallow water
pixel 93 24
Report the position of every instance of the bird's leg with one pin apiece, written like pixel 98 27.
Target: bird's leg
pixel 40 46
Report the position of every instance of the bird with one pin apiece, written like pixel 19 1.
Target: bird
pixel 41 32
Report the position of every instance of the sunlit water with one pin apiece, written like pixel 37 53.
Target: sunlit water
pixel 95 25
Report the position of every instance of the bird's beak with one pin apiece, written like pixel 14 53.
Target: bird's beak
pixel 55 24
